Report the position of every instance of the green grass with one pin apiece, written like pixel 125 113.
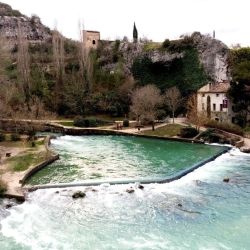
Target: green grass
pixel 23 162
pixel 39 142
pixel 151 46
pixel 67 123
pixel 70 123
pixel 169 130
pixel 247 130
pixel 3 188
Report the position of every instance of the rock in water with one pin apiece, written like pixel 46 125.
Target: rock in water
pixel 245 150
pixel 140 186
pixel 8 206
pixel 130 190
pixel 226 179
pixel 78 194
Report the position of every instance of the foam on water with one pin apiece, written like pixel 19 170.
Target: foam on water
pixel 199 211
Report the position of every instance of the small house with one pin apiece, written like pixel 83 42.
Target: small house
pixel 212 100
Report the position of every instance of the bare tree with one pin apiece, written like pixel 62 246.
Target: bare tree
pixel 85 61
pixel 173 99
pixel 58 59
pixel 145 102
pixel 195 117
pixel 5 56
pixel 23 65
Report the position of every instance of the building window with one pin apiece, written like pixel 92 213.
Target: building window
pixel 214 107
pixel 93 42
pixel 221 107
pixel 203 95
pixel 217 95
pixel 203 106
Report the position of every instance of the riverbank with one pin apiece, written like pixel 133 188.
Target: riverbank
pixel 18 159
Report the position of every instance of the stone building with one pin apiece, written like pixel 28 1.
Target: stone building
pixel 91 39
pixel 213 101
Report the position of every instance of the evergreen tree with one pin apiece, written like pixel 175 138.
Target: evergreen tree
pixel 135 34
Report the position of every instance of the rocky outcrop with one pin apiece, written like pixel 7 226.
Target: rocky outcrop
pixel 163 57
pixel 32 28
pixel 213 56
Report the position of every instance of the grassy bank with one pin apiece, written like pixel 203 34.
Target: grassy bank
pixel 169 130
pixel 23 162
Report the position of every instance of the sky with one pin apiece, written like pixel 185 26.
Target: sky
pixel 155 19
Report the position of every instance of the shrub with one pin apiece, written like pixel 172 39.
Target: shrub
pixel 126 123
pixel 31 133
pixel 188 132
pixel 228 127
pixel 15 137
pixel 166 43
pixel 85 123
pixel 3 188
pixel 91 122
pixel 210 136
pixel 2 137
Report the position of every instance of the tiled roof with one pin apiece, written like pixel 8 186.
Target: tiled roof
pixel 220 87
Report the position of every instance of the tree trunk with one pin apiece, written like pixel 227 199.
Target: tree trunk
pixel 173 115
pixel 153 126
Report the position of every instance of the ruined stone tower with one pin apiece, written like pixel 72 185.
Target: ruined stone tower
pixel 91 38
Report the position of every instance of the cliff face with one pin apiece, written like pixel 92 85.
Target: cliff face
pixel 120 55
pixel 32 28
pixel 214 57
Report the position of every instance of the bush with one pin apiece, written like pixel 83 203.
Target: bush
pixel 213 136
pixel 166 43
pixel 31 134
pixel 188 132
pixel 3 188
pixel 85 123
pixel 2 137
pixel 228 127
pixel 126 123
pixel 15 137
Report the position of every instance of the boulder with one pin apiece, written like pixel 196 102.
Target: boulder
pixel 9 205
pixel 130 190
pixel 226 179
pixel 78 194
pixel 245 150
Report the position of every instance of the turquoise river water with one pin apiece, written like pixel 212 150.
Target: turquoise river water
pixel 119 157
pixel 198 211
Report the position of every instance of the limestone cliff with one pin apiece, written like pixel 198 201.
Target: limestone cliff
pixel 213 56
pixel 32 27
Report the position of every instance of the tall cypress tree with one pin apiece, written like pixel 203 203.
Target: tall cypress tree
pixel 135 34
